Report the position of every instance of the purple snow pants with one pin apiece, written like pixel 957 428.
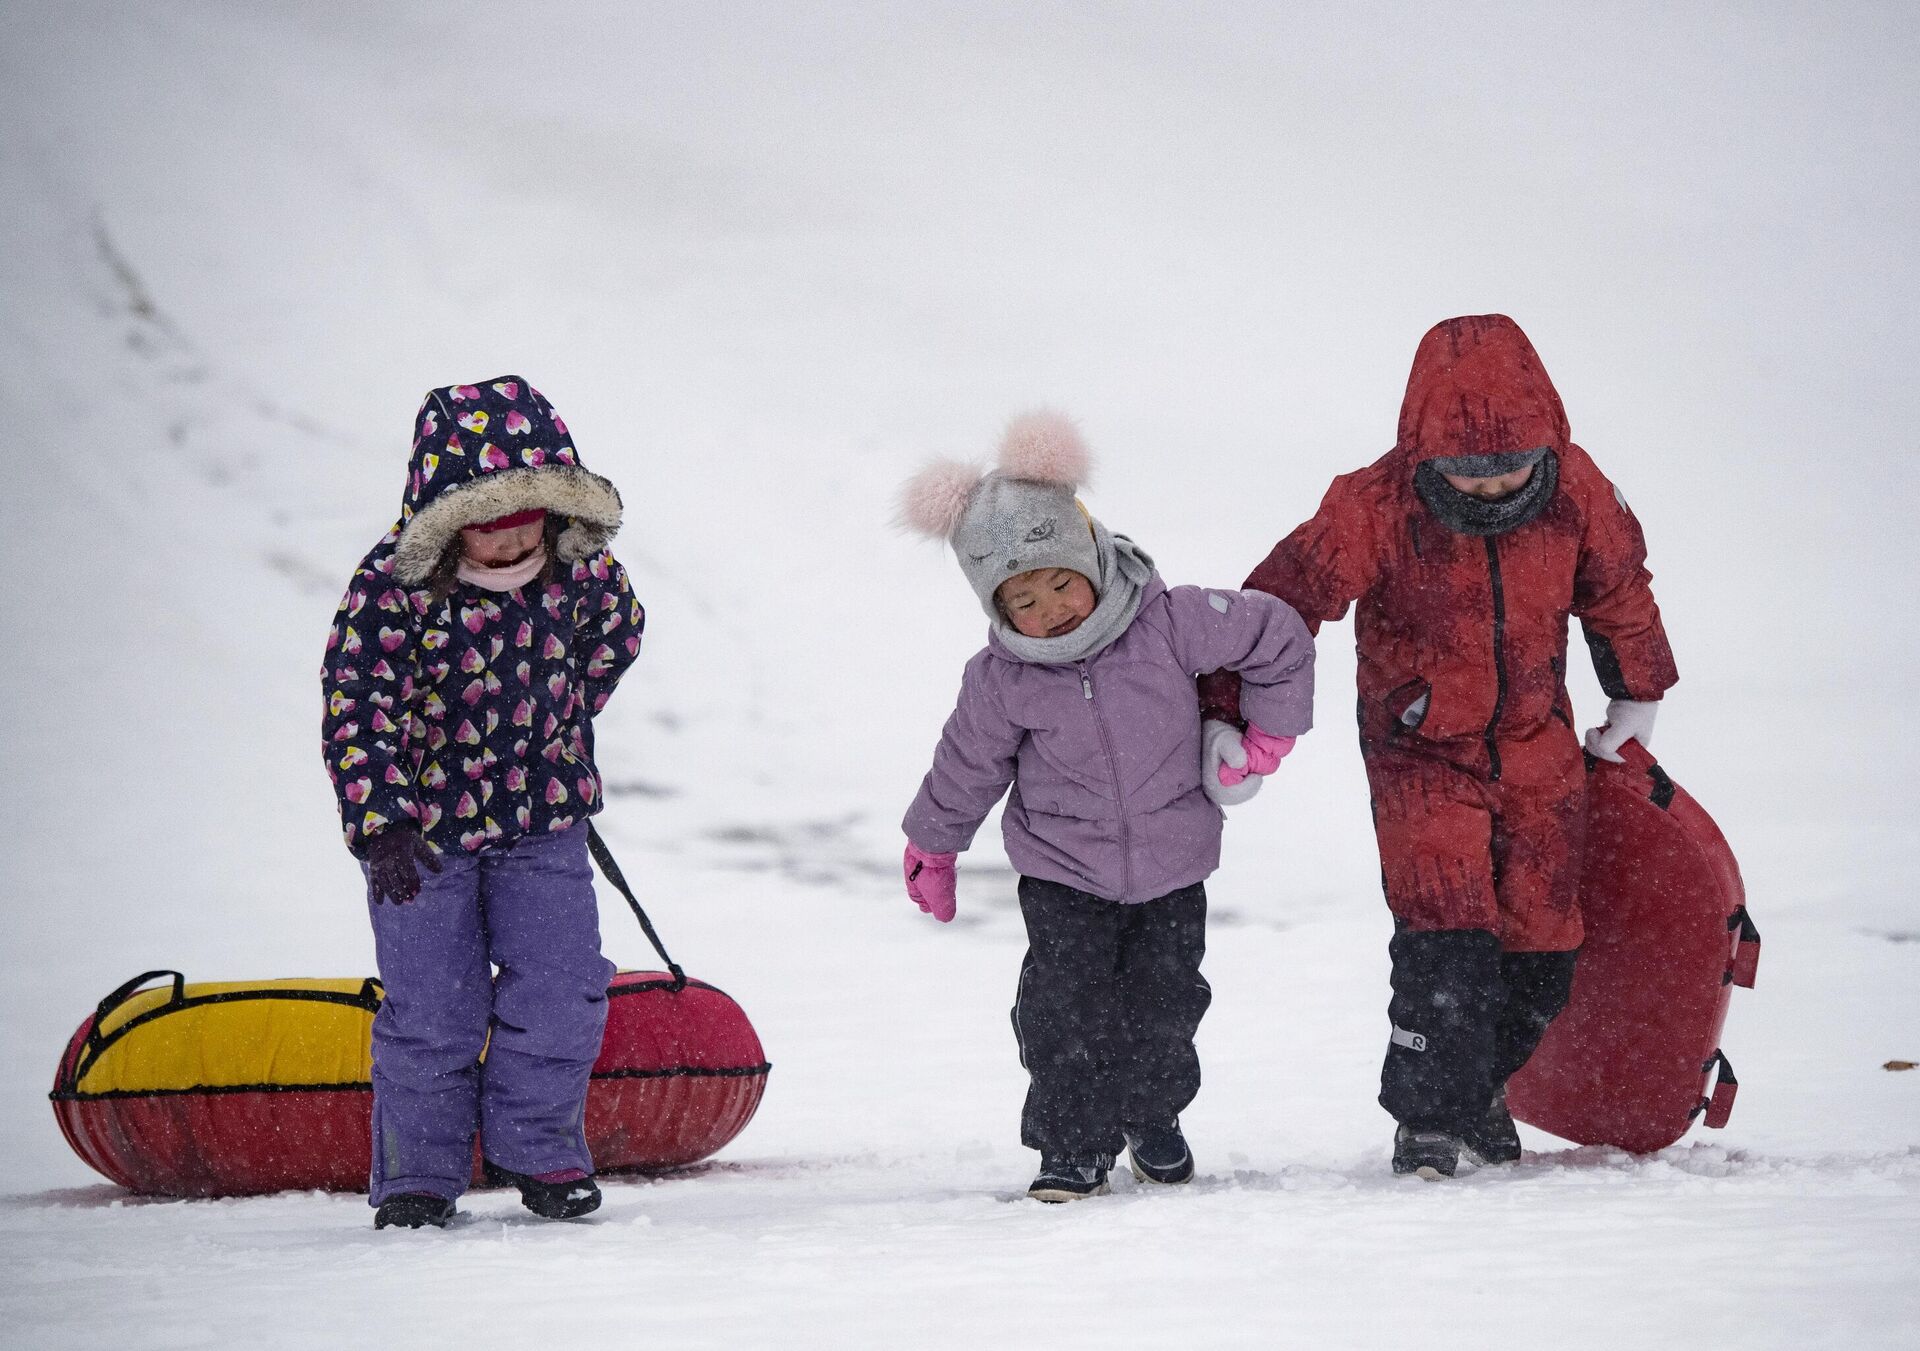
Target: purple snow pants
pixel 528 909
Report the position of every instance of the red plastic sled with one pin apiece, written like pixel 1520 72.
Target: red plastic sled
pixel 1631 1061
pixel 234 1090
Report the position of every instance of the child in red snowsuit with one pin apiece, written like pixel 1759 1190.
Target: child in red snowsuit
pixel 1467 547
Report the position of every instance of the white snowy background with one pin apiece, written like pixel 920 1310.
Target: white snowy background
pixel 768 257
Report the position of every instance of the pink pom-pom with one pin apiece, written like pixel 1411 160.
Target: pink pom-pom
pixel 1045 447
pixel 934 499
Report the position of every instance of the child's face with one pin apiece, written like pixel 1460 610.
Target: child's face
pixel 1491 489
pixel 1047 602
pixel 501 548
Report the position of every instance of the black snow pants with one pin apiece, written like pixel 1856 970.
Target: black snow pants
pixel 1110 997
pixel 1466 1016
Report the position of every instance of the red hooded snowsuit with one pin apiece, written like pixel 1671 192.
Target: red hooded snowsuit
pixel 1479 804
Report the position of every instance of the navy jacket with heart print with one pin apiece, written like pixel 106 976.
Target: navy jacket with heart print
pixel 464 711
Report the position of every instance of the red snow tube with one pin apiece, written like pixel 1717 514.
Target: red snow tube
pixel 1632 1060
pixel 233 1090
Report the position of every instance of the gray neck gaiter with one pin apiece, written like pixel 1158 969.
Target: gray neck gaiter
pixel 1124 570
pixel 1469 515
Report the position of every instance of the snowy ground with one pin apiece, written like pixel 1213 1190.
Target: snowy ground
pixel 765 259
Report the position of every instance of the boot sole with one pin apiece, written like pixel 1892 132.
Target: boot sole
pixel 1468 1162
pixel 1142 1175
pixel 1056 1195
pixel 571 1211
pixel 567 1208
pixel 1494 1158
pixel 415 1222
pixel 496 1176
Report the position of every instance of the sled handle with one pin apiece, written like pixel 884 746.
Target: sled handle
pixel 1633 754
pixel 93 1044
pixel 611 871
pixel 1746 953
pixel 1718 1105
pixel 127 991
pixel 1635 757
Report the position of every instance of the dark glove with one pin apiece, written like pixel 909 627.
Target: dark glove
pixel 391 859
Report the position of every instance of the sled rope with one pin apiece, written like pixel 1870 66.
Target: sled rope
pixel 611 871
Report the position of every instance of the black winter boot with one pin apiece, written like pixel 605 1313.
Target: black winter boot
pixel 1429 1154
pixel 1071 1177
pixel 564 1200
pixel 1159 1153
pixel 413 1210
pixel 1495 1140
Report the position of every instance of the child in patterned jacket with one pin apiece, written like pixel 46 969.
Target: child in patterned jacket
pixel 473 647
pixel 1083 704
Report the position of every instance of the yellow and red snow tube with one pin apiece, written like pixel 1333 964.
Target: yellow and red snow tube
pixel 232 1089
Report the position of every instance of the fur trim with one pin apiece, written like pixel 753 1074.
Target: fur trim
pixel 934 499
pixel 591 503
pixel 1045 447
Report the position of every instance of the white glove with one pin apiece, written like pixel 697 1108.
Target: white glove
pixel 1220 745
pixel 1627 719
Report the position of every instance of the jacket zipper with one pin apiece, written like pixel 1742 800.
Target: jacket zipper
pixel 1113 768
pixel 1499 654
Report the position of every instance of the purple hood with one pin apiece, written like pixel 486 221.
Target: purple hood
pixel 1103 755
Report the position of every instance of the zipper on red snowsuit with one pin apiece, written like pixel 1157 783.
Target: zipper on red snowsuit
pixel 1499 656
pixel 1113 767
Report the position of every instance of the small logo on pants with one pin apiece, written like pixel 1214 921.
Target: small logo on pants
pixel 1413 1041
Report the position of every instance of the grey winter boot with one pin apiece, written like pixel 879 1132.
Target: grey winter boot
pixel 553 1198
pixel 1159 1153
pixel 413 1210
pixel 1495 1140
pixel 1429 1154
pixel 1071 1177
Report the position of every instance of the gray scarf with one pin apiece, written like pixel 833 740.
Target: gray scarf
pixel 1124 570
pixel 1470 515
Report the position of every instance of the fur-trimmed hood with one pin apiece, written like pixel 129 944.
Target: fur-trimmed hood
pixel 487 450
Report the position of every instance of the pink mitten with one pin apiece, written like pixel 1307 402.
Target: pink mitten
pixel 930 881
pixel 1264 754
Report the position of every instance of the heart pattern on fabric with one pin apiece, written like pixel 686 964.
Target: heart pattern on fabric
pixel 396 754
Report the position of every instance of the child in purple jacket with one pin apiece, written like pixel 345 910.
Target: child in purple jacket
pixel 1082 702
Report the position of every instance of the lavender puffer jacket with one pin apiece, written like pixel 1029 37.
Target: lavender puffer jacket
pixel 1104 754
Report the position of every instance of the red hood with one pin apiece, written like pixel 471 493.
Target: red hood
pixel 1478 388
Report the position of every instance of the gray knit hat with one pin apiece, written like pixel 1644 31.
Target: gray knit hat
pixel 1020 517
pixel 1015 525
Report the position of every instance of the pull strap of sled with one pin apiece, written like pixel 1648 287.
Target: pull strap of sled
pixel 1746 952
pixel 1718 1104
pixel 611 871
